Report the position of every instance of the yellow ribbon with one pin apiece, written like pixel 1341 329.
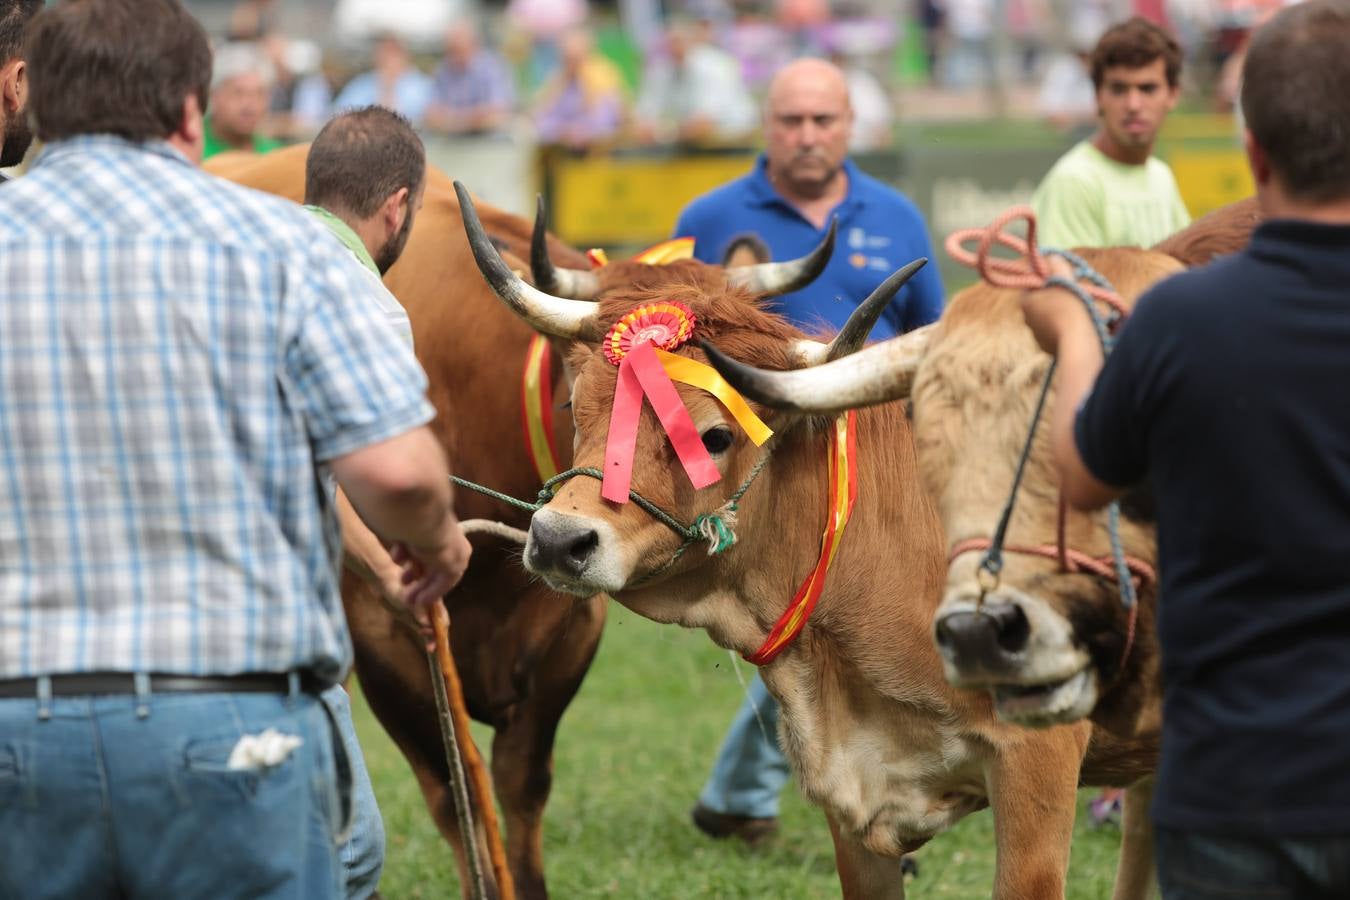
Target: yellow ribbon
pixel 699 375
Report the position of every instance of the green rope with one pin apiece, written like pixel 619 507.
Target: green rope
pixel 717 528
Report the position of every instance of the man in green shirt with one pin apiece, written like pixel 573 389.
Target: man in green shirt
pixel 241 82
pixel 1110 190
pixel 364 178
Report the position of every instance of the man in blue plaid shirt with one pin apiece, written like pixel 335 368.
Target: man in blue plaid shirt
pixel 181 360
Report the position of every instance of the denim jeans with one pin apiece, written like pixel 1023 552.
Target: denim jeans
pixel 1203 866
pixel 750 770
pixel 362 853
pixel 132 796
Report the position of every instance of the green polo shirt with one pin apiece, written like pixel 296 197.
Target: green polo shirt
pixel 211 144
pixel 389 305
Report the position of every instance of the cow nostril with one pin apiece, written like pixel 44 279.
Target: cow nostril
pixel 950 626
pixel 581 549
pixel 1012 628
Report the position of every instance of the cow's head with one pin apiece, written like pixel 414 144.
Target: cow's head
pixel 1048 645
pixel 582 544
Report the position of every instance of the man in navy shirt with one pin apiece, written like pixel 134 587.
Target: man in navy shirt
pixel 1228 389
pixel 802 181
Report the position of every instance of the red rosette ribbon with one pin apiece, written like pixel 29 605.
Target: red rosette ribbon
pixel 631 345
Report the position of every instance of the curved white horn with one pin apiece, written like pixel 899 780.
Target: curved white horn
pixel 861 321
pixel 877 374
pixel 574 284
pixel 558 316
pixel 774 278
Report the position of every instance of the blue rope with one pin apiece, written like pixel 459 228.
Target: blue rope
pixel 993 557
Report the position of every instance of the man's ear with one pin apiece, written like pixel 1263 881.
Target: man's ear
pixel 15 79
pixel 395 210
pixel 190 135
pixel 1256 158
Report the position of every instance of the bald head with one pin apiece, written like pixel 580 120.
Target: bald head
pixel 807 124
pixel 808 78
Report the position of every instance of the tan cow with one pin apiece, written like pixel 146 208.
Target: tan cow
pixel 874 733
pixel 522 649
pixel 1049 646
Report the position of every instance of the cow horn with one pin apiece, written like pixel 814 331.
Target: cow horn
pixel 856 330
pixel 877 374
pixel 574 284
pixel 774 278
pixel 557 316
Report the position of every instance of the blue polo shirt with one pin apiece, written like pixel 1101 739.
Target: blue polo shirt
pixel 880 230
pixel 1228 390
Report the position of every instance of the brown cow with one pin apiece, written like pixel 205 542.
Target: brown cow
pixel 1053 646
pixel 521 648
pixel 874 733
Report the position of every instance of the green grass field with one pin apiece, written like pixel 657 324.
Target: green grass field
pixel 632 753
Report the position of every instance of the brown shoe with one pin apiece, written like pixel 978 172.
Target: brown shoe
pixel 718 825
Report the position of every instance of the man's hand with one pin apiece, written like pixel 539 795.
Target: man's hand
pixel 1052 312
pixel 431 571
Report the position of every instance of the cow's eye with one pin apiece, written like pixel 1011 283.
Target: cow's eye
pixel 717 440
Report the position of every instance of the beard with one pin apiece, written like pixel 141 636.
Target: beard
pixel 18 137
pixel 393 248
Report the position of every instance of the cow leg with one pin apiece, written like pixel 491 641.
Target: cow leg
pixel 863 875
pixel 1033 787
pixel 522 751
pixel 1136 875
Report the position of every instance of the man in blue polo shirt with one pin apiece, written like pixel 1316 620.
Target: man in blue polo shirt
pixel 1227 389
pixel 802 181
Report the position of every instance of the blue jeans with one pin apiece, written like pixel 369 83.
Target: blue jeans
pixel 1202 866
pixel 129 796
pixel 362 853
pixel 750 770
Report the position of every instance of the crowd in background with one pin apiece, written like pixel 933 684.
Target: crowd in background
pixel 645 72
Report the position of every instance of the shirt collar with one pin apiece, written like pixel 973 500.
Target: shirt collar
pixel 344 233
pixel 108 143
pixel 763 193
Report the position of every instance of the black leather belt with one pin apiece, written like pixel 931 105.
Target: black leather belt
pixel 103 683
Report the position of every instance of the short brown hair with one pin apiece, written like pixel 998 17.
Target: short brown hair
pixel 1295 98
pixel 119 67
pixel 14 16
pixel 360 158
pixel 1133 44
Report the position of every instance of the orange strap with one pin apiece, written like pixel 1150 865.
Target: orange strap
pixel 843 469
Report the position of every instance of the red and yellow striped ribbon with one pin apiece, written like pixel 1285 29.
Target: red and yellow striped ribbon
pixel 843 469
pixel 655 255
pixel 536 407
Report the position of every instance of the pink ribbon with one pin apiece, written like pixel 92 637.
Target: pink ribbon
pixel 641 374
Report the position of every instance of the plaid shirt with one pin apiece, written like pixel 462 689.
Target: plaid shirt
pixel 178 358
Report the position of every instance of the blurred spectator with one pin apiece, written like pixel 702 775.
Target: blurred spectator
pixel 252 20
pixel 696 93
pixel 394 83
pixel 240 84
pixel 761 47
pixel 474 92
pixel 969 56
pixel 543 23
pixel 1067 98
pixel 583 103
pixel 933 20
pixel 873 113
pixel 312 100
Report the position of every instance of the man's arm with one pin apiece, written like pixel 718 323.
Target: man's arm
pixel 401 488
pixel 1063 329
pixel 365 554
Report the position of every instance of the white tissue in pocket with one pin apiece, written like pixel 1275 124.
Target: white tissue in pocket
pixel 262 751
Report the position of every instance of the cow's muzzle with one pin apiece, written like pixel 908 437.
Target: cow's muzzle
pixel 560 545
pixel 986 642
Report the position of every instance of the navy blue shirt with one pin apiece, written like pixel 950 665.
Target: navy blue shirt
pixel 880 230
pixel 1230 388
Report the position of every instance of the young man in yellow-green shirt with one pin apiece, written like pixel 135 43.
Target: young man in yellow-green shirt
pixel 1110 190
